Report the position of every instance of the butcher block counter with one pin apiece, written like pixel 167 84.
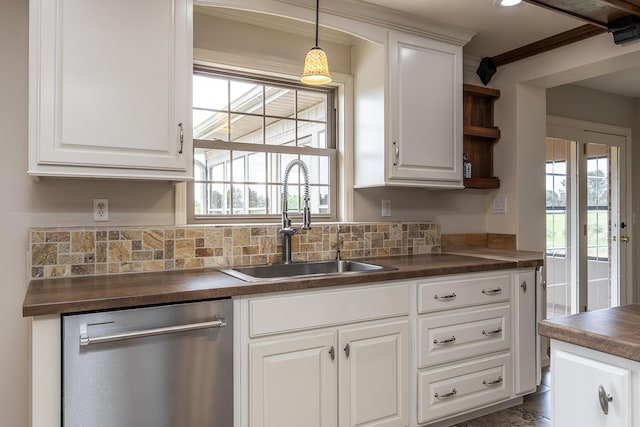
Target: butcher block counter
pixel 78 294
pixel 614 331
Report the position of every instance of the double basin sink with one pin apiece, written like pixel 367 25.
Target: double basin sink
pixel 303 269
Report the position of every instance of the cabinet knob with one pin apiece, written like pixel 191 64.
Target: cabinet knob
pixel 347 350
pixel 523 285
pixel 181 127
pixel 604 399
pixel 332 353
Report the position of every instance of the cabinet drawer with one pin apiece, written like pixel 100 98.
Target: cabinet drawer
pixel 452 390
pixel 307 310
pixel 463 291
pixel 447 337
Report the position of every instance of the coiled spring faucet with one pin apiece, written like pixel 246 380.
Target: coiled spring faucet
pixel 287 230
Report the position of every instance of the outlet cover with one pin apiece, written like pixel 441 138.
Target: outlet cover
pixel 500 205
pixel 386 208
pixel 101 209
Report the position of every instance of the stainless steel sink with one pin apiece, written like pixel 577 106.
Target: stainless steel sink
pixel 302 269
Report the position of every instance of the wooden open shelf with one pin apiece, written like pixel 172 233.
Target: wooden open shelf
pixel 479 135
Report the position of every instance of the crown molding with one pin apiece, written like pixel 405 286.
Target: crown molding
pixel 355 10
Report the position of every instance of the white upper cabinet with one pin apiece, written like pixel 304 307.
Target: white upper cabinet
pixel 110 89
pixel 419 123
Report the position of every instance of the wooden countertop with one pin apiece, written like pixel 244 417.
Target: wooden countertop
pixel 614 330
pixel 88 293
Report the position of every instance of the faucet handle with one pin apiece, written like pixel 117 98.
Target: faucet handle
pixel 306 217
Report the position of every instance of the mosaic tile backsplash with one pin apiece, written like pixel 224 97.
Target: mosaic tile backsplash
pixel 82 251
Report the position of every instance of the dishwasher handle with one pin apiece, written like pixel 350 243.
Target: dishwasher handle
pixel 85 339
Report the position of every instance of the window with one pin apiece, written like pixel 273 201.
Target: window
pixel 246 130
pixel 556 174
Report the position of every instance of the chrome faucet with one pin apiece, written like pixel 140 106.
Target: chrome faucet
pixel 287 230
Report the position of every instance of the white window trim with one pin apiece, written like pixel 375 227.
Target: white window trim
pixel 344 129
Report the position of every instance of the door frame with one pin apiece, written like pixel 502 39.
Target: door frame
pixel 575 130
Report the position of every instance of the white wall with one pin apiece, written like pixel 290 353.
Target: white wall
pixel 46 203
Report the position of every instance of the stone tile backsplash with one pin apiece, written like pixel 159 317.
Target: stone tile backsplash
pixel 58 252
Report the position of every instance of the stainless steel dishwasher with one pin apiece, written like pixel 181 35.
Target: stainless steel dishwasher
pixel 162 366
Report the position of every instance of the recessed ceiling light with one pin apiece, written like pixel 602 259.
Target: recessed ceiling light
pixel 508 2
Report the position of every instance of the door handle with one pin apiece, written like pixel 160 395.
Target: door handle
pixel 624 239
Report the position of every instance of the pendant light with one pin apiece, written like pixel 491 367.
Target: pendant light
pixel 316 66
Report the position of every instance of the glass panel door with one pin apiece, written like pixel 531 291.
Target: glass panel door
pixel 586 235
pixel 602 188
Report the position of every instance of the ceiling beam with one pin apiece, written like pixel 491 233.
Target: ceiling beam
pixel 632 7
pixel 545 45
pixel 557 8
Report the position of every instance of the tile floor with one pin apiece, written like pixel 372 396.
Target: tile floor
pixel 534 411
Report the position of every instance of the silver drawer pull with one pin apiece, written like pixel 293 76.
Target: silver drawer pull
pixel 85 339
pixel 604 399
pixel 446 395
pixel 495 291
pixel 494 382
pixel 448 297
pixel 444 342
pixel 490 333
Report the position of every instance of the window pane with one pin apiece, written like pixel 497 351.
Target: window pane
pixel 238 171
pixel 275 199
pixel 235 198
pixel 210 92
pixel 320 200
pixel 312 105
pixel 281 132
pixel 246 129
pixel 257 199
pixel 210 125
pixel 256 167
pixel 560 168
pixel 279 102
pixel 312 135
pixel 214 163
pixel 217 203
pixel 246 97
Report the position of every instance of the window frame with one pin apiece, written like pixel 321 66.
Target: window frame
pixel 331 152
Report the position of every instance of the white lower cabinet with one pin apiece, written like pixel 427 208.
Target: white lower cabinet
pixel 362 369
pixel 592 389
pixel 374 375
pixel 293 382
pixel 344 356
pixel 340 359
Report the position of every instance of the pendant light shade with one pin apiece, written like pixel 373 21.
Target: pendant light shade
pixel 316 68
pixel 316 65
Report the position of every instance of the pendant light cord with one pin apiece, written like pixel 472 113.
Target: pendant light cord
pixel 317 19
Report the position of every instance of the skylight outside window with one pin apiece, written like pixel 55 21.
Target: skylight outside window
pixel 246 130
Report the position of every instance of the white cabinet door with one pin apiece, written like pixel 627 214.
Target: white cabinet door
pixel 374 375
pixel 292 382
pixel 110 85
pixel 575 392
pixel 525 333
pixel 425 84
